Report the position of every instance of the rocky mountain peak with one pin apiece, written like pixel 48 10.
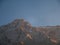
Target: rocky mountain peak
pixel 21 32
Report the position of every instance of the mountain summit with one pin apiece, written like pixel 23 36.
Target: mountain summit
pixel 21 32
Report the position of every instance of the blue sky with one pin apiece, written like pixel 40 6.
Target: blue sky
pixel 37 12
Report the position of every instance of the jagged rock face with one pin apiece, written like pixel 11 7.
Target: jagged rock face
pixel 20 32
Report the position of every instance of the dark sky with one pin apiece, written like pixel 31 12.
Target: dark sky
pixel 37 12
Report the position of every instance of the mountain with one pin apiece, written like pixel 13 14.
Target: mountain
pixel 21 32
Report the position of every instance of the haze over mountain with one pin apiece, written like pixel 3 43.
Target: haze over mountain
pixel 21 32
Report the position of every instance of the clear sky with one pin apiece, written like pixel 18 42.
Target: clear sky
pixel 37 12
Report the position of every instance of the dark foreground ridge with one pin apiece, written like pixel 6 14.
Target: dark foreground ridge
pixel 20 32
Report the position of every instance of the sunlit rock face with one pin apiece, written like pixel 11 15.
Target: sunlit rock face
pixel 21 32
